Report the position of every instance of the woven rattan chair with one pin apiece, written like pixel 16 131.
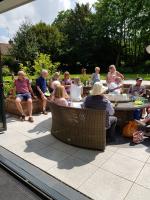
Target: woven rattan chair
pixel 79 127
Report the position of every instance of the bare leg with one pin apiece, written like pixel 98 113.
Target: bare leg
pixel 19 106
pixel 44 102
pixel 30 107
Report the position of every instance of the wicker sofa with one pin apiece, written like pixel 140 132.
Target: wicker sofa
pixel 79 127
pixel 11 106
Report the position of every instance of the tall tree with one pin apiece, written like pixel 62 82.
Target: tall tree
pixel 49 39
pixel 25 45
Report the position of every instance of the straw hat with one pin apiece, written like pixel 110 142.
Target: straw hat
pixel 98 89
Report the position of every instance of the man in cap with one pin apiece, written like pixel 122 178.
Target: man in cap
pixel 138 89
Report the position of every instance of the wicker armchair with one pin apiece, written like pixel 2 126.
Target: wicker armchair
pixel 79 127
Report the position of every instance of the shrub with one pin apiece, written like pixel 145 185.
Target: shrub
pixel 84 78
pixel 7 87
pixel 6 71
pixel 43 61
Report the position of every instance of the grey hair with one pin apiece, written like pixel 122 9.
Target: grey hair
pixel 44 71
pixel 21 73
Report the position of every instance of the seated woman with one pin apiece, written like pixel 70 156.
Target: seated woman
pixel 95 76
pixel 115 87
pixel 59 96
pixel 56 77
pixel 23 91
pixel 112 74
pixel 76 90
pixel 43 92
pixel 98 101
pixel 66 82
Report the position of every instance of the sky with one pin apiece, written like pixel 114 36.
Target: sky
pixel 38 10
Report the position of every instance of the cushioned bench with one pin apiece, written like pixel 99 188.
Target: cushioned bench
pixel 11 106
pixel 79 127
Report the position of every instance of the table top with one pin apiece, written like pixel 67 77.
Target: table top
pixel 120 106
pixel 130 106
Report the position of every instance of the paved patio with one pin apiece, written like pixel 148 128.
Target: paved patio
pixel 121 172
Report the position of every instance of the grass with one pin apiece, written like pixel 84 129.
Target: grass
pixel 103 76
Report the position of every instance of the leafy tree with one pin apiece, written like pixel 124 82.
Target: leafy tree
pixel 48 38
pixel 76 26
pixel 25 45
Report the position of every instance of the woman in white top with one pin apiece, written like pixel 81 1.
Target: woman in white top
pixel 116 87
pixel 76 90
pixel 112 74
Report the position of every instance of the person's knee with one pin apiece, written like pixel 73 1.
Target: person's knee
pixel 29 101
pixel 113 119
pixel 17 100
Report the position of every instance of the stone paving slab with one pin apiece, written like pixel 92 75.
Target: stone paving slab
pixel 121 172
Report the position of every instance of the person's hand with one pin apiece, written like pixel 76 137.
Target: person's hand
pixel 34 97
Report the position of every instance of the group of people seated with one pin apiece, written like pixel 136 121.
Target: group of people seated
pixel 63 91
pixel 58 91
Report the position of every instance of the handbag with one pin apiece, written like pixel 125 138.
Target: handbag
pixel 130 128
pixel 138 137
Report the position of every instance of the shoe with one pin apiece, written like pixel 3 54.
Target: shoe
pixel 31 119
pixel 22 118
pixel 44 112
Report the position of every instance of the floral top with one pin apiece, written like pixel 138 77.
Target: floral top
pixel 67 84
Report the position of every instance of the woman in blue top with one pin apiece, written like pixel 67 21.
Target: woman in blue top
pixel 95 76
pixel 43 92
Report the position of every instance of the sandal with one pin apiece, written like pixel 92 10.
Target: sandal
pixel 44 112
pixel 22 118
pixel 30 119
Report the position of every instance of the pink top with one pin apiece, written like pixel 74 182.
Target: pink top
pixel 61 101
pixel 22 86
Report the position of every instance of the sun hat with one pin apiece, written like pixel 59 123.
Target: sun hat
pixel 98 89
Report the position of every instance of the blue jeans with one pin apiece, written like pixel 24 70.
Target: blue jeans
pixel 24 97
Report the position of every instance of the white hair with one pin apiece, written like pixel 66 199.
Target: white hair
pixel 44 71
pixel 21 73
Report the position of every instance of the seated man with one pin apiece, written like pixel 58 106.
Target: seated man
pixel 23 91
pixel 98 101
pixel 42 89
pixel 137 89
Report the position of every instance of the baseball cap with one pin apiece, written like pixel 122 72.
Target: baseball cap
pixel 139 79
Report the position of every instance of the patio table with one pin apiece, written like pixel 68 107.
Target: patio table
pixel 124 111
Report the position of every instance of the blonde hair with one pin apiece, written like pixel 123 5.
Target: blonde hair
pixel 66 74
pixel 97 68
pixel 56 75
pixel 59 92
pixel 77 81
pixel 112 66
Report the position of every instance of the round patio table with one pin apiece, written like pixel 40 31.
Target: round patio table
pixel 124 111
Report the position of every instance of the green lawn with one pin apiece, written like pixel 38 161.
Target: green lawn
pixel 103 76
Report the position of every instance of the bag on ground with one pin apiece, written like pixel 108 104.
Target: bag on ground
pixel 130 128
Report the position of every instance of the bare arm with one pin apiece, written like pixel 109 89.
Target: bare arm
pixel 120 75
pixel 39 90
pixel 31 91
